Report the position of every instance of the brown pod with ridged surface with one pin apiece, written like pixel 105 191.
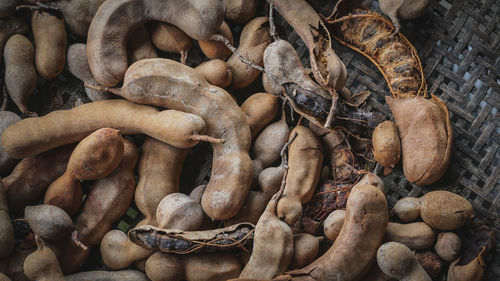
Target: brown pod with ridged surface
pixel 32 176
pixel 305 163
pixel 254 39
pixel 20 73
pixel 49 35
pixel 95 157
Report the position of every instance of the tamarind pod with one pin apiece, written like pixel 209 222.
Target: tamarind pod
pixel 240 11
pixel 7 118
pixel 328 70
pixel 140 46
pixel 12 266
pixel 305 163
pixel 32 176
pixel 42 264
pixel 78 66
pixel 121 275
pixel 20 73
pixel 109 199
pixel 171 39
pixel 180 87
pixel 426 137
pixel 4 277
pixel 371 35
pixel 355 249
pixel 159 172
pixel 106 50
pixel 10 26
pixel 31 136
pixel 50 40
pixel 78 14
pixel 284 69
pixel 272 250
pixel 186 242
pixel 6 228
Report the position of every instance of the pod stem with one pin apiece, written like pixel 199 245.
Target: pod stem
pixel 102 88
pixel 206 138
pixel 184 55
pixel 272 26
pixel 76 240
pixel 221 38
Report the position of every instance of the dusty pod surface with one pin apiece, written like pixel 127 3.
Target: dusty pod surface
pixel 6 229
pixel 398 261
pixel 260 109
pixel 118 252
pixel 403 9
pixel 106 50
pixel 407 209
pixel 217 72
pixel 333 224
pixel 305 249
pixel 386 145
pixel 42 265
pixel 426 137
pixel 68 126
pixel 240 11
pixel 51 223
pixel 10 26
pixel 95 157
pixel 305 163
pixel 108 199
pixel 7 118
pixel 24 185
pixel 171 39
pixel 122 275
pixel 445 210
pixel 366 203
pixel 417 235
pixel 78 66
pixel 448 246
pixel 216 49
pixel 20 73
pixel 179 211
pixel 50 39
pixel 254 39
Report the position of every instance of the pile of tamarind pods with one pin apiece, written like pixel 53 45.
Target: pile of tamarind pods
pixel 288 196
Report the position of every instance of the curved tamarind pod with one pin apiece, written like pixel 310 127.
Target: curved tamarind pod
pixel 422 119
pixel 31 136
pixel 180 87
pixel 106 42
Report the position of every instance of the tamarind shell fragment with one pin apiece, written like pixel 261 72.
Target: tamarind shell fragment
pixel 187 242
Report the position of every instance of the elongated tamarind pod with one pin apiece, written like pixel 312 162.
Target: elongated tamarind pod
pixel 31 136
pixel 177 86
pixel 106 41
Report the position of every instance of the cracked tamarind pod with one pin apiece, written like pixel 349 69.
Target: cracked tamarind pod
pixel 423 120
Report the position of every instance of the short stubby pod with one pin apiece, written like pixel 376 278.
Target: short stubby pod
pixel 426 137
pixel 398 261
pixel 386 145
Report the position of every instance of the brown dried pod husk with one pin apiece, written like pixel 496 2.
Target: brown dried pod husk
pixel 426 132
pixel 186 242
pixel 471 265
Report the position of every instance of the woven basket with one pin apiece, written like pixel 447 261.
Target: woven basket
pixel 459 46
